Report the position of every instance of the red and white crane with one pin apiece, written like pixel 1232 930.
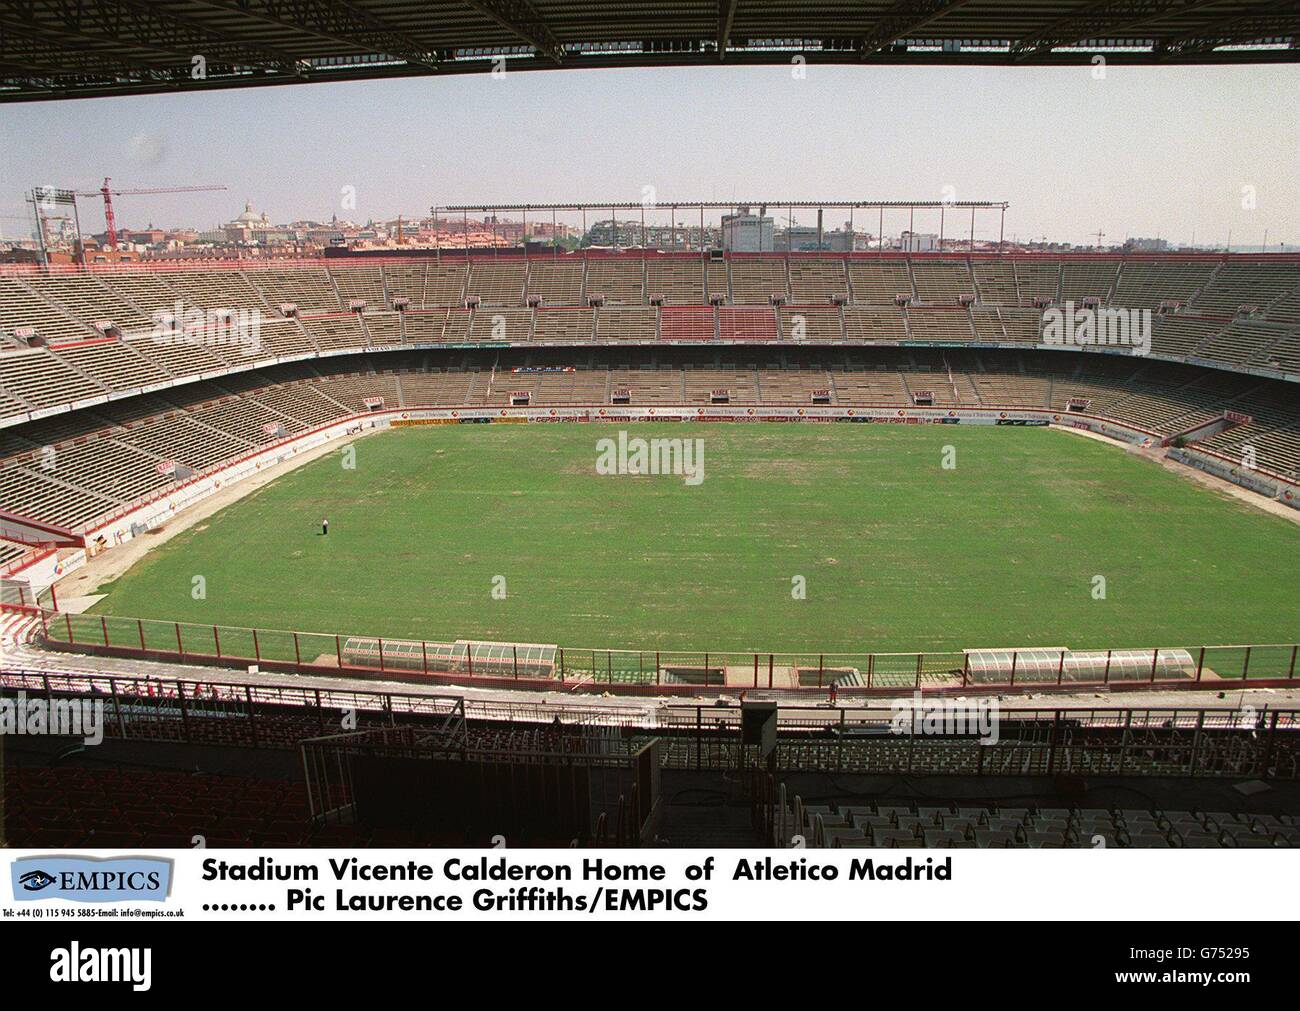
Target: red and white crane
pixel 108 193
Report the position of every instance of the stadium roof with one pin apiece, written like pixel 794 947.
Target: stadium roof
pixel 79 48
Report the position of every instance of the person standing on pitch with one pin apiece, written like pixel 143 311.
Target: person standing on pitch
pixel 325 526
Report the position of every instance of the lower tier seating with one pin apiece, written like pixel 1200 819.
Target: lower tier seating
pixel 74 467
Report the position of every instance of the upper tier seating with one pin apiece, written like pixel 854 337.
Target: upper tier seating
pixel 405 280
pixel 879 281
pixel 216 290
pixel 145 290
pixel 677 280
pixel 566 324
pixel 816 281
pixel 21 307
pixel 384 329
pixel 874 322
pixel 1088 279
pixel 811 323
pixel 995 282
pixel 754 281
pixel 556 282
pixel 687 323
pixel 941 282
pixel 90 300
pixel 362 281
pixel 311 289
pixel 497 282
pixel 1145 284
pixel 1246 283
pixel 1038 279
pixel 65 307
pixel 618 280
pixel 42 378
pixel 444 285
pixel 115 363
pixel 625 323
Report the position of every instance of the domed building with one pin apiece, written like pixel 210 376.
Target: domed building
pixel 249 227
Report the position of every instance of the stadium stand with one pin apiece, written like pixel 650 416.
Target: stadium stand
pixel 575 325
pixel 498 323
pixel 879 282
pixel 688 323
pixel 676 280
pixel 811 323
pixel 817 281
pixel 203 424
pixel 1082 279
pixel 216 289
pixel 754 281
pixel 618 280
pixel 555 282
pixel 1038 279
pixel 737 323
pixel 444 285
pixel 614 323
pixel 847 824
pixel 21 307
pixel 41 378
pixel 939 325
pixel 383 329
pixel 942 282
pixel 1197 303
pixel 995 282
pixel 311 289
pixel 874 322
pixel 405 280
pixel 361 282
pixel 1144 285
pixel 1246 283
pixel 497 282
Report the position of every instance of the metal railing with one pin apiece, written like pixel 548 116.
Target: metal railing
pixel 680 672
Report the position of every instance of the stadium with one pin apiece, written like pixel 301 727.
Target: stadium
pixel 421 547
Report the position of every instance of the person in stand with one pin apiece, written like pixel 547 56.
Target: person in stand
pixel 325 527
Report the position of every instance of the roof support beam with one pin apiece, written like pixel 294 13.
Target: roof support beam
pixel 1275 19
pixel 522 19
pixel 1107 19
pixel 726 18
pixel 140 27
pixel 905 18
pixel 335 21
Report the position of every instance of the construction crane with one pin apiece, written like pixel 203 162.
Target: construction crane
pixel 108 193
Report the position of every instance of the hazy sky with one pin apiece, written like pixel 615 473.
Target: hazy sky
pixel 1141 152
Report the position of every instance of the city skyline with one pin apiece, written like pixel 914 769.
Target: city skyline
pixel 1177 153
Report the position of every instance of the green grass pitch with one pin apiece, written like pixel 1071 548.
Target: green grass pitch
pixel 897 553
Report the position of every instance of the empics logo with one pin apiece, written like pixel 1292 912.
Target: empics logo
pixel 90 879
pixel 75 964
pixel 34 881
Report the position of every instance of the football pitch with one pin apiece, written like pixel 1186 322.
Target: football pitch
pixel 833 538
